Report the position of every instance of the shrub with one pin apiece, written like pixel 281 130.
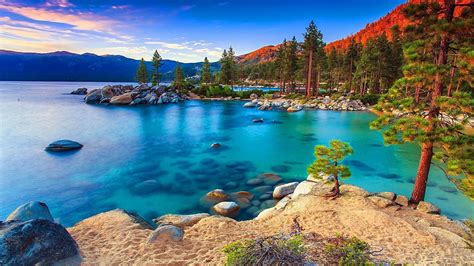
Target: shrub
pixel 348 251
pixel 275 250
pixel 293 96
pixel 367 98
pixel 246 94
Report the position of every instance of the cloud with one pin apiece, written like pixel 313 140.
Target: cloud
pixel 58 3
pixel 208 52
pixel 79 21
pixel 175 46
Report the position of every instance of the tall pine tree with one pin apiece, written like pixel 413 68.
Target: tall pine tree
pixel 206 72
pixel 142 74
pixel 418 107
pixel 313 48
pixel 156 61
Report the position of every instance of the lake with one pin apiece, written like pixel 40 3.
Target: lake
pixel 170 144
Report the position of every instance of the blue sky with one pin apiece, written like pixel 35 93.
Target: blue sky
pixel 182 30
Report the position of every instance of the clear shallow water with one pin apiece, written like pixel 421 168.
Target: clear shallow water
pixel 124 146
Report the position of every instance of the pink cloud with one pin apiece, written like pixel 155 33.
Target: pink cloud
pixel 81 21
pixel 58 3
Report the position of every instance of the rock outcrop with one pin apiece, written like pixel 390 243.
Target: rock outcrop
pixel 80 91
pixel 342 103
pixel 129 95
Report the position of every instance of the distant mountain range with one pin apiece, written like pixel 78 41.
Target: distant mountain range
pixel 66 66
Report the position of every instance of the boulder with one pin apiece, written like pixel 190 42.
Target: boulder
pixel 388 195
pixel 36 242
pixel 94 96
pixel 265 196
pixel 146 187
pixel 216 145
pixel 169 97
pixel 402 200
pixel 214 197
pixel 63 145
pixel 242 194
pixel 270 178
pixel 137 101
pixel 30 211
pixel 253 96
pixel 125 98
pixel 180 221
pixel 166 233
pixel 249 105
pixel 295 108
pixel 304 188
pixel 243 202
pixel 80 91
pixel 381 202
pixel 257 120
pixel 159 89
pixel 142 87
pixel 283 190
pixel 226 208
pixel 116 90
pixel 427 207
pixel 261 190
pixel 255 181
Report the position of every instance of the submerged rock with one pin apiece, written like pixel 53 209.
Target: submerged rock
pixel 29 211
pixel 257 120
pixel 214 197
pixel 270 178
pixel 80 91
pixel 36 242
pixel 250 105
pixel 180 220
pixel 64 145
pixel 283 190
pixel 166 232
pixel 226 208
pixel 216 145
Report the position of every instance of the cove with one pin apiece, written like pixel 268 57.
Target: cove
pixel 165 148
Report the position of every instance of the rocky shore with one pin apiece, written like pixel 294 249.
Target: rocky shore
pixel 402 233
pixel 342 103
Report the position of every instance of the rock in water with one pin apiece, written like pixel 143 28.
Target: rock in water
pixel 35 242
pixel 166 232
pixel 80 91
pixel 226 208
pixel 215 145
pixel 95 96
pixel 29 211
pixel 293 109
pixel 180 221
pixel 283 190
pixel 169 97
pixel 125 98
pixel 64 145
pixel 258 120
pixel 250 105
pixel 214 197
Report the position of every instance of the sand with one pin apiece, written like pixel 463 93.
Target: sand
pixel 406 235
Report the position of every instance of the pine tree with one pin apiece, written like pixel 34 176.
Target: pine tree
pixel 142 74
pixel 418 108
pixel 291 62
pixel 179 77
pixel 350 58
pixel 280 64
pixel 225 68
pixel 206 72
pixel 313 47
pixel 328 161
pixel 156 61
pixel 232 66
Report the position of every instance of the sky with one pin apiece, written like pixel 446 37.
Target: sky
pixel 182 30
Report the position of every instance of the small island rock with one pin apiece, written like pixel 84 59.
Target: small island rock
pixel 80 91
pixel 29 211
pixel 64 145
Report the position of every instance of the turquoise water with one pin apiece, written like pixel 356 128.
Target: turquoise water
pixel 124 146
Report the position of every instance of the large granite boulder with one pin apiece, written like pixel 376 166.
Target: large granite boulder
pixel 282 190
pixel 142 87
pixel 123 99
pixel 95 96
pixel 36 242
pixel 226 208
pixel 80 91
pixel 30 211
pixel 169 97
pixel 166 233
pixel 179 220
pixel 63 145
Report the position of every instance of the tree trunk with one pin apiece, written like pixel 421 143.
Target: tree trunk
pixel 419 190
pixel 316 89
pixel 310 70
pixel 337 192
pixel 351 77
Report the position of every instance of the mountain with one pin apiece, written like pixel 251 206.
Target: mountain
pixel 66 66
pixel 264 54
